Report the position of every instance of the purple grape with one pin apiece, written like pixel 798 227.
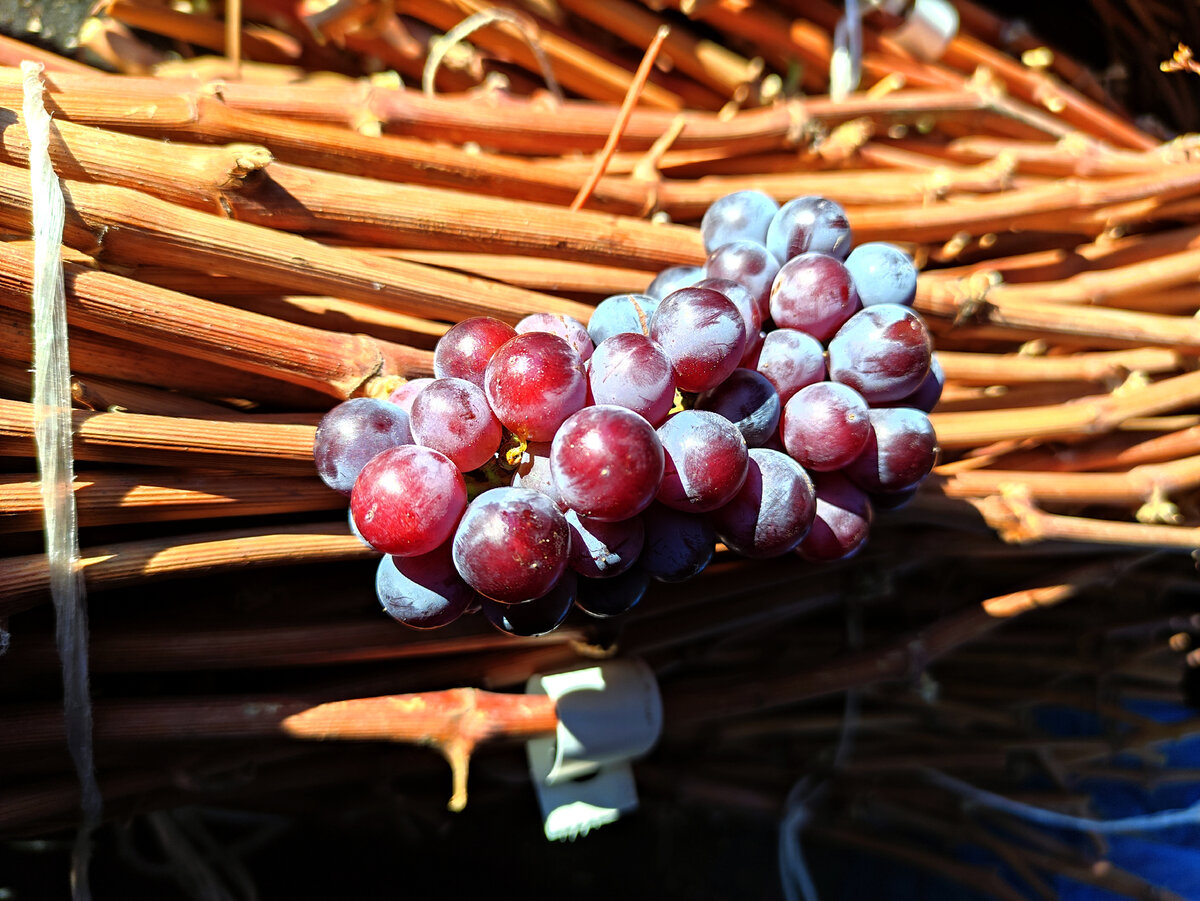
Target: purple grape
pixel 671 280
pixel 603 598
pixel 566 327
pixel 883 273
pixel 631 371
pixel 791 360
pixel 894 500
pixel 814 293
pixel 883 352
pixel 706 461
pixel 540 616
pixel 809 225
pixel 773 510
pixel 928 393
pixel 512 544
pixel 453 416
pixel 742 215
pixel 901 449
pixel 351 434
pixel 404 396
pixel 463 352
pixel 751 265
pixel 842 521
pixel 408 500
pixel 739 295
pixel 621 314
pixel 747 400
pixel 825 426
pixel 533 383
pixel 602 550
pixel 678 545
pixel 424 592
pixel 702 334
pixel 753 352
pixel 607 462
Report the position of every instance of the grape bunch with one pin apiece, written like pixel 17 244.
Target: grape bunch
pixel 769 400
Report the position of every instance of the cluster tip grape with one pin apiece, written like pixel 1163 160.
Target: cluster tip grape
pixel 769 400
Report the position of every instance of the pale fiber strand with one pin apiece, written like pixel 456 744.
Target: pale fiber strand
pixel 52 412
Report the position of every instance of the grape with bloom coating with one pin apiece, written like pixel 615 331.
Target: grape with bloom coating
pixel 463 352
pixel 566 327
pixel 603 598
pixel 739 295
pixel 424 592
pixel 883 273
pixel 901 449
pixel 706 460
pixel 672 279
pixel 512 544
pixel 842 521
pixel 809 225
pixel 631 371
pixel 742 215
pixel 602 550
pixel 622 314
pixel 534 471
pixel 702 334
pixel 791 360
pixel 453 416
pixel 533 383
pixel 751 265
pixel 772 511
pixel 607 462
pixel 404 396
pixel 408 500
pixel 747 400
pixel 540 616
pixel 352 433
pixel 883 352
pixel 814 293
pixel 825 426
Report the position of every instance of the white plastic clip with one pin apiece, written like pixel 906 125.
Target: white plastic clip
pixel 928 29
pixel 608 715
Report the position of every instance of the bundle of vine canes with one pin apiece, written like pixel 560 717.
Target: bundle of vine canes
pixel 249 244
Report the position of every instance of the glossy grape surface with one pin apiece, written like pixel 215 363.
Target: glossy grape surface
pixel 463 352
pixel 537 617
pixel 809 225
pixel 566 327
pixel 408 500
pixel 883 273
pixel 453 416
pixel 671 280
pixel 706 460
pixel 404 396
pixel 747 400
pixel 772 511
pixel 603 598
pixel 751 265
pixel 512 544
pixel 883 352
pixel 620 314
pixel 631 371
pixel 791 360
pixel 607 463
pixel 825 426
pixel 424 592
pixel 742 215
pixel 842 521
pixel 352 433
pixel 901 449
pixel 602 550
pixel 813 293
pixel 702 334
pixel 533 383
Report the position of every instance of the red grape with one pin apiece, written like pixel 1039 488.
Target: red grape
pixel 408 500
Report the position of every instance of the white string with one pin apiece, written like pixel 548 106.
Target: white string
pixel 845 64
pixel 52 413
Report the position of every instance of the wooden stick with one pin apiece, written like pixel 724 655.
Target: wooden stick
pixel 25 581
pixel 165 441
pixel 1019 521
pixel 131 361
pixel 539 273
pixel 104 498
pixel 259 42
pixel 1088 415
pixel 132 227
pixel 1007 369
pixel 331 362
